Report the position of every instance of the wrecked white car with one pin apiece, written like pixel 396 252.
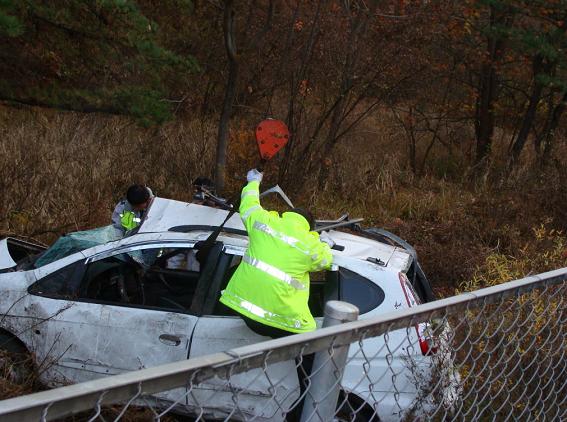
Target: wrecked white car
pixel 94 305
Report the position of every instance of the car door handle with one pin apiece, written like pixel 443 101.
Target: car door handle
pixel 170 340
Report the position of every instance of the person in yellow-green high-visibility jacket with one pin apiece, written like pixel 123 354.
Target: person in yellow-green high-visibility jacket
pixel 129 212
pixel 270 288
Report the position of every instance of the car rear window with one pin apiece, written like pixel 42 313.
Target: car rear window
pixel 359 291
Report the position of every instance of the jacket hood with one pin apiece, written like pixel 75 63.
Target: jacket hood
pixel 297 219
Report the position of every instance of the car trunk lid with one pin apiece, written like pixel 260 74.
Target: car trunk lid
pixel 370 250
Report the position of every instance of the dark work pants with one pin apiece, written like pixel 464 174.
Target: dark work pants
pixel 303 365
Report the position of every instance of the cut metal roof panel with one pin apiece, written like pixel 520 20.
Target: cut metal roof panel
pixel 164 214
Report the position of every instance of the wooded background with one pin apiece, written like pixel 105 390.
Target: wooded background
pixel 443 121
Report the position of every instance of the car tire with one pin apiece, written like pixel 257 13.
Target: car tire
pixel 15 360
pixel 351 408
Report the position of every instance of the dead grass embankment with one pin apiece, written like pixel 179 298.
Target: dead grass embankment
pixel 61 172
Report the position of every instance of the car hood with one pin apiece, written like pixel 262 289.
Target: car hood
pixel 6 260
pixel 13 250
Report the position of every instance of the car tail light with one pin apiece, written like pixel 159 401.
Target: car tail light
pixel 426 340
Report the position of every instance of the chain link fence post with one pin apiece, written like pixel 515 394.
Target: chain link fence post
pixel 328 367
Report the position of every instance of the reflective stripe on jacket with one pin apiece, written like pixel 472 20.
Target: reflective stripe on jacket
pixel 124 218
pixel 129 220
pixel 271 285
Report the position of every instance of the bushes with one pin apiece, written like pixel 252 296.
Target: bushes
pixel 545 250
pixel 510 353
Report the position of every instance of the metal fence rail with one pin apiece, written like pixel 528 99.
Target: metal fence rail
pixel 494 354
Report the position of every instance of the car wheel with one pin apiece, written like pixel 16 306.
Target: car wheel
pixel 16 362
pixel 351 408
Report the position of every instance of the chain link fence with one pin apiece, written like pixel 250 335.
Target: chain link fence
pixel 494 354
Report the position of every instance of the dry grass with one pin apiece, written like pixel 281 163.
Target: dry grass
pixel 61 172
pixel 15 382
pixel 526 329
pixel 64 172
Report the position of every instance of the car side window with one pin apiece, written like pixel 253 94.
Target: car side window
pixel 319 292
pixel 59 284
pixel 358 290
pixel 162 278
pixel 225 270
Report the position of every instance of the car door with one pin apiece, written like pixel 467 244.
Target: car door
pixel 90 331
pixel 217 331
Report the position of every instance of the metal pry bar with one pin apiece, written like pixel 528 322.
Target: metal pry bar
pixel 338 220
pixel 278 190
pixel 341 224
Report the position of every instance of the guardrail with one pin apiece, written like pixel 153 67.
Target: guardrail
pixel 496 353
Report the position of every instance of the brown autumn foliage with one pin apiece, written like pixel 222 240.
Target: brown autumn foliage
pixel 404 113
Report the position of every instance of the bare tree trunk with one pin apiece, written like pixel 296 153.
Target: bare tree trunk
pixel 484 123
pixel 407 125
pixel 295 110
pixel 222 140
pixel 358 28
pixel 412 142
pixel 549 132
pixel 529 115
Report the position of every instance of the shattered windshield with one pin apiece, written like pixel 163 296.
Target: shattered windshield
pixel 77 241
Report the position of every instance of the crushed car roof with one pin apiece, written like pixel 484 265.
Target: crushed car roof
pixel 165 214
